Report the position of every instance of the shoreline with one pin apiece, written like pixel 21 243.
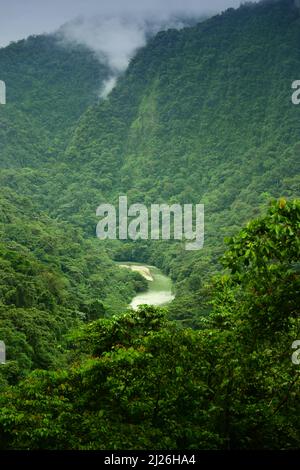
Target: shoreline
pixel 143 270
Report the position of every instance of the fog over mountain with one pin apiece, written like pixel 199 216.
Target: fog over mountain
pixel 203 117
pixel 113 29
pixel 19 19
pixel 115 39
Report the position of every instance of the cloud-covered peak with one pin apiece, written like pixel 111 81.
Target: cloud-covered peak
pixel 115 39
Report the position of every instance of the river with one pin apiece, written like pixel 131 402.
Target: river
pixel 159 285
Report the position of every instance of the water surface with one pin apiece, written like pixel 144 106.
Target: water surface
pixel 159 289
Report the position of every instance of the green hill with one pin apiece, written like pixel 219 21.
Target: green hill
pixel 202 115
pixel 49 85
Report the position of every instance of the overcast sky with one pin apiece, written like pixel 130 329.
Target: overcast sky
pixel 21 18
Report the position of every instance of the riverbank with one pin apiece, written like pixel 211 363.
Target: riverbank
pixel 160 286
pixel 143 270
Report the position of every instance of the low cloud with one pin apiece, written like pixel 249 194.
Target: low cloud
pixel 115 39
pixel 20 18
pixel 108 86
pixel 113 29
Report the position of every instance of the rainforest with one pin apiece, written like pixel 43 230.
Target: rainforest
pixel 181 349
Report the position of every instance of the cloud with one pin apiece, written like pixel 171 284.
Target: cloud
pixel 108 86
pixel 19 18
pixel 113 29
pixel 115 39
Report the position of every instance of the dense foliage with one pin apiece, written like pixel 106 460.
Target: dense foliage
pixel 203 114
pixel 139 381
pixel 49 86
pixel 51 279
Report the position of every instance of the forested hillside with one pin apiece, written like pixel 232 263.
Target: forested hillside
pixel 202 115
pixel 49 85
pixel 139 381
pixel 51 280
pixel 51 277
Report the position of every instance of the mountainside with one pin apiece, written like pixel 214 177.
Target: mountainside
pixel 202 115
pixel 210 105
pixel 51 279
pixel 49 85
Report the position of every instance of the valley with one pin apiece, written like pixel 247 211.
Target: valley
pixel 100 356
pixel 159 287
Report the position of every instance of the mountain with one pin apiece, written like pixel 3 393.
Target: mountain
pixel 50 280
pixel 210 105
pixel 202 115
pixel 49 85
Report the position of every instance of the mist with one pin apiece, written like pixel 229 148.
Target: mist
pixel 20 18
pixel 113 29
pixel 116 39
pixel 113 39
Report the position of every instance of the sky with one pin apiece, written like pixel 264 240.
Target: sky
pixel 113 29
pixel 21 18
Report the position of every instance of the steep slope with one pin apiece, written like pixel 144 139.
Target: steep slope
pixel 209 105
pixel 203 114
pixel 49 85
pixel 51 280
